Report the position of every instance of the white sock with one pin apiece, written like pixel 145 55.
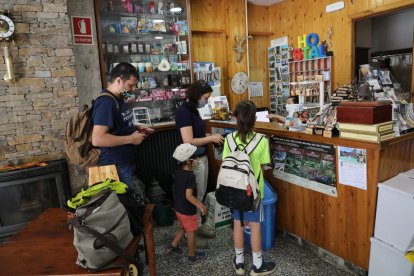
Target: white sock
pixel 239 255
pixel 257 259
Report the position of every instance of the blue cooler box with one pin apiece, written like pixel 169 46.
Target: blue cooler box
pixel 268 225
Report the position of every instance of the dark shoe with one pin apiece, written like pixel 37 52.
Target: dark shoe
pixel 171 249
pixel 239 268
pixel 206 232
pixel 200 255
pixel 265 269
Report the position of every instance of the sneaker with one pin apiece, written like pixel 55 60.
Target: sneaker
pixel 200 255
pixel 171 249
pixel 265 269
pixel 206 232
pixel 239 268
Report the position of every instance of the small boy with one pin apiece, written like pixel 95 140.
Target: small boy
pixel 185 203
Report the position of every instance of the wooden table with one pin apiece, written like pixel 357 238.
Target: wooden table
pixel 45 247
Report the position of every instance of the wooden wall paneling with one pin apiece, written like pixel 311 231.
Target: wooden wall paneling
pixel 258 67
pixel 208 14
pixel 297 17
pixel 259 28
pixel 221 17
pixel 211 47
pixel 236 25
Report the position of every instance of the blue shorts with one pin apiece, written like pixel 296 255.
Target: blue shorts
pixel 256 216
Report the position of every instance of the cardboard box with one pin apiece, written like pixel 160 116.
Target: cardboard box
pixel 386 260
pixel 364 112
pixel 218 216
pixel 394 223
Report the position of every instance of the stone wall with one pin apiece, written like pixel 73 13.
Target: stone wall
pixel 35 109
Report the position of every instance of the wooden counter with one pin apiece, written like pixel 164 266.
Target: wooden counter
pixel 342 225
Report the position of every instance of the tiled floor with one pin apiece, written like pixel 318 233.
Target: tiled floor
pixel 291 259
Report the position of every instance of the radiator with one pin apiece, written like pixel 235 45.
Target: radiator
pixel 154 159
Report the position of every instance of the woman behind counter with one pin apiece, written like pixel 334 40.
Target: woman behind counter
pixel 192 130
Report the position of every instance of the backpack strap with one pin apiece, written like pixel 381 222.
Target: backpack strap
pixel 108 94
pixel 253 143
pixel 108 242
pixel 231 142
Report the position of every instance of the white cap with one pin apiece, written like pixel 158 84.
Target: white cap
pixel 184 152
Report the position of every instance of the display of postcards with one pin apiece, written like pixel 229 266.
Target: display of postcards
pixel 141 47
pixel 279 100
pixel 285 93
pixel 142 26
pixel 272 86
pixel 158 26
pixel 285 70
pixel 272 72
pixel 273 99
pixel 278 50
pixel 271 50
pixel 128 24
pixel 272 58
pixel 271 65
pixel 272 93
pixel 272 79
pixel 278 74
pixel 285 77
pixel 285 55
pixel 277 60
pixel 285 85
pixel 284 62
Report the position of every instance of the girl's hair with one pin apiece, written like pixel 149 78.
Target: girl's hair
pixel 196 90
pixel 245 113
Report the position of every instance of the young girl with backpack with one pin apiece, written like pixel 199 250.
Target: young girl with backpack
pixel 245 113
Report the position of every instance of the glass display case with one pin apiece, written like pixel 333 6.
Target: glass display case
pixel 154 37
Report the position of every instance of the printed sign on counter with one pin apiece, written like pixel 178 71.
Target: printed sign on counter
pixel 306 164
pixel 352 167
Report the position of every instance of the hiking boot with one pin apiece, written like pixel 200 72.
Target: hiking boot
pixel 239 268
pixel 206 232
pixel 265 269
pixel 171 249
pixel 199 256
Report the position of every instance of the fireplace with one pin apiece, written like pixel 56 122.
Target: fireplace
pixel 25 193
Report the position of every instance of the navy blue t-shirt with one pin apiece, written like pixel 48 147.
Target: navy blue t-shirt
pixel 105 113
pixel 184 180
pixel 185 117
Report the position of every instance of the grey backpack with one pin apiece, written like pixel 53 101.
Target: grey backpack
pixel 102 232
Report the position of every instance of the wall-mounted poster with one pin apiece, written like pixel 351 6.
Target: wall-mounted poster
pixel 352 168
pixel 307 164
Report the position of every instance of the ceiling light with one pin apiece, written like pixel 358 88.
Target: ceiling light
pixel 158 21
pixel 158 37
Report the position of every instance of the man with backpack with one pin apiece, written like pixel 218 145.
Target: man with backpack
pixel 113 129
pixel 244 152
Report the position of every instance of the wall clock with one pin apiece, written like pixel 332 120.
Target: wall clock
pixel 240 83
pixel 6 26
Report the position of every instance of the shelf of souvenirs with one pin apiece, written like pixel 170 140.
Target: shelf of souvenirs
pixel 160 36
pixel 121 13
pixel 156 94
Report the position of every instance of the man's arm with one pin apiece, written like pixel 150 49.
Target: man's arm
pixel 102 138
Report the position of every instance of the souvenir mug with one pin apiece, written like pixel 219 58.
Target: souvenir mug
pixel 148 67
pixel 141 67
